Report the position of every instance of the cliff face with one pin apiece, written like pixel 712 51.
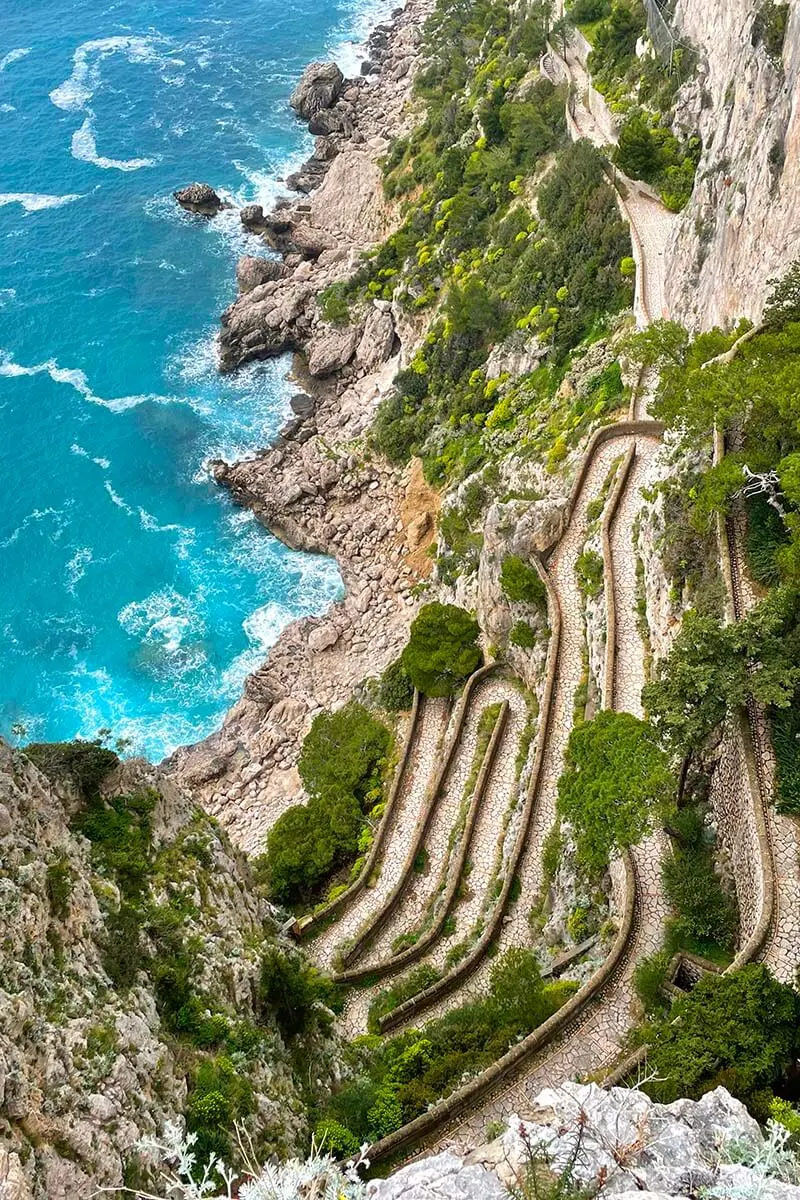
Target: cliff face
pixel 88 1062
pixel 742 225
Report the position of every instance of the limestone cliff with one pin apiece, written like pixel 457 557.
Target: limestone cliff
pixel 90 1057
pixel 742 225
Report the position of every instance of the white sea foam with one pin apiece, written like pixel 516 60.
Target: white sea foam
pixel 7 296
pixel 83 453
pixel 163 618
pixel 84 148
pixel 185 536
pixel 76 567
pixel 13 56
pixel 350 51
pixel 263 628
pixel 36 202
pixel 38 514
pixel 77 379
pixel 74 94
pixel 117 499
pixel 7 108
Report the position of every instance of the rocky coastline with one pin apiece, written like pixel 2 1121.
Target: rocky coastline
pixel 317 487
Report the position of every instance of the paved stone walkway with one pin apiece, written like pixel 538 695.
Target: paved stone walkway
pixel 425 754
pixel 420 889
pixel 731 793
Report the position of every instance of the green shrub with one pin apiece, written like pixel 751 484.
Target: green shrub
pixel 334 305
pixel 83 764
pixel 766 536
pixel 442 649
pixel 521 582
pixel 396 692
pixel 649 978
pixel 120 830
pixel 218 1097
pixel 334 1138
pixel 522 635
pixel 402 989
pixel 59 881
pixel 589 572
pixel 769 27
pixel 786 742
pixel 122 949
pixel 706 918
pixel 294 993
pixel 585 12
pixel 737 1030
pixel 616 778
pixel 344 751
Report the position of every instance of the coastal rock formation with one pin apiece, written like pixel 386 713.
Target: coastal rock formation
pixel 87 1067
pixel 316 495
pixel 319 88
pixel 253 272
pixel 199 198
pixel 741 227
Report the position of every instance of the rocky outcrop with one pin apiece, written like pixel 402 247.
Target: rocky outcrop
pixel 319 88
pixel 317 495
pixel 742 225
pixel 200 198
pixel 614 1143
pixel 253 272
pixel 87 1068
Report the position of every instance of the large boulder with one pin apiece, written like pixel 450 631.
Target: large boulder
pixel 330 350
pixel 199 198
pixel 252 272
pixel 319 88
pixel 377 340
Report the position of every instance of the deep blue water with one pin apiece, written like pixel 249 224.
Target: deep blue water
pixel 133 595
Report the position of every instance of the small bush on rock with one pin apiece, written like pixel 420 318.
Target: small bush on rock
pixel 520 582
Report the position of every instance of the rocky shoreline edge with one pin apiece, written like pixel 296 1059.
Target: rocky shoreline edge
pixel 317 487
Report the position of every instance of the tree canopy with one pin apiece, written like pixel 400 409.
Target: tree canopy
pixel 442 649
pixel 616 779
pixel 737 1030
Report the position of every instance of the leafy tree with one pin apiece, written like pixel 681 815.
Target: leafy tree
pixel 521 582
pixel 294 993
pixel 344 751
pixel 711 669
pixel 705 916
pixel 638 152
pixel 737 1030
pixel 396 692
pixel 84 764
pixel 616 779
pixel 307 842
pixel 517 990
pixel 442 649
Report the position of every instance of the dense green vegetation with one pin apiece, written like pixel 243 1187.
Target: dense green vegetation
pixel 616 782
pixel 641 91
pixel 739 1031
pixel 521 582
pixel 395 1079
pixel 442 649
pixel 474 248
pixel 342 765
pixel 754 392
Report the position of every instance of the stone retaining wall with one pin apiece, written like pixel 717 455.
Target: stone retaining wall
pixel 392 900
pixel 308 926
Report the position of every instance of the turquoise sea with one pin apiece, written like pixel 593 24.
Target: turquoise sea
pixel 134 595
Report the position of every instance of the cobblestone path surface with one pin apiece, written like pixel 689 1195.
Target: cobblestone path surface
pixel 595 1040
pixel 425 752
pixel 420 888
